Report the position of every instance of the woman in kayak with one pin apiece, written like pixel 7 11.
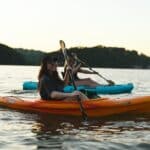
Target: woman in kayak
pixel 50 84
pixel 76 67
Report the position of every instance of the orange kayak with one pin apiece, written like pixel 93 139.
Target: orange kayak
pixel 94 108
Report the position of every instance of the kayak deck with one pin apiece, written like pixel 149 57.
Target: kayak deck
pixel 94 108
pixel 101 89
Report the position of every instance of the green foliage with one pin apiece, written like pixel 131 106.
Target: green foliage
pixel 112 57
pixel 31 57
pixel 8 56
pixel 11 56
pixel 98 56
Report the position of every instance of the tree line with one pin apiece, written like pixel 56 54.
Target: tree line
pixel 98 56
pixel 19 56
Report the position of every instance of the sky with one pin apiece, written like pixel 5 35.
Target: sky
pixel 40 24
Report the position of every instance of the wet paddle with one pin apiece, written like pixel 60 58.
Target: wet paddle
pixel 77 59
pixel 64 51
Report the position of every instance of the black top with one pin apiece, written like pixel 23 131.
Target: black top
pixel 48 84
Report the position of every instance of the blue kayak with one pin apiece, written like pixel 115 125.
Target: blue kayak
pixel 102 89
pixel 30 85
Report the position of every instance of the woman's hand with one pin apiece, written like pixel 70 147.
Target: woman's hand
pixel 69 68
pixel 72 69
pixel 78 94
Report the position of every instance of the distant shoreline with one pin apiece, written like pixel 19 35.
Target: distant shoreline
pixel 97 57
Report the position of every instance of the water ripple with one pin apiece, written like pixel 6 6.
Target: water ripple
pixel 19 130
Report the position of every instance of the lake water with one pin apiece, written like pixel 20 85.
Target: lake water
pixel 19 130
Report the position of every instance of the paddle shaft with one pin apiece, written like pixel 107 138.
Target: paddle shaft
pixel 109 81
pixel 97 73
pixel 62 44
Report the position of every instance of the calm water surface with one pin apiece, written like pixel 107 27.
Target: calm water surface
pixel 20 130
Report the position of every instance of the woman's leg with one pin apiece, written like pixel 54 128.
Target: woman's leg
pixel 87 82
pixel 75 95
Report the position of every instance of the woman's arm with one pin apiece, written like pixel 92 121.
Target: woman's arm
pixel 66 76
pixel 59 95
pixel 76 69
pixel 73 96
pixel 73 70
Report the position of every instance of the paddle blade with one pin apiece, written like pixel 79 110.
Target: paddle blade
pixel 62 44
pixel 63 48
pixel 111 82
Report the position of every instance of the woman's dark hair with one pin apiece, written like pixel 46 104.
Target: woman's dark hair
pixel 44 71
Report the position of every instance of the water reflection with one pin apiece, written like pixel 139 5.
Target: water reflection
pixel 42 131
pixel 73 133
pixel 19 130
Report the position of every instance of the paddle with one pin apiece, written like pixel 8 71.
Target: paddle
pixel 64 51
pixel 77 59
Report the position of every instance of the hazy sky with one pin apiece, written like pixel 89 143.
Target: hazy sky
pixel 40 24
